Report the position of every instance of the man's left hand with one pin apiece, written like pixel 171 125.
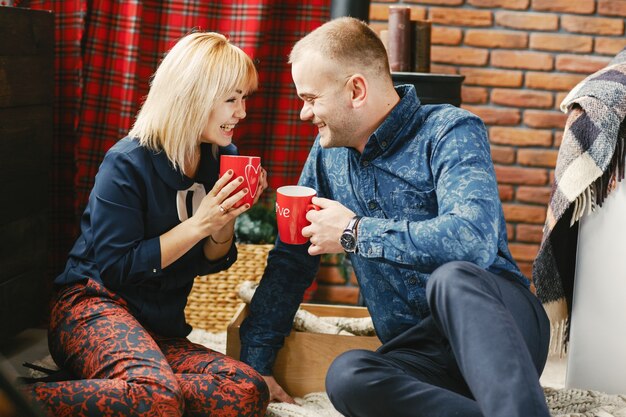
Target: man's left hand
pixel 327 225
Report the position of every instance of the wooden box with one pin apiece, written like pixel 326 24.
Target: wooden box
pixel 302 363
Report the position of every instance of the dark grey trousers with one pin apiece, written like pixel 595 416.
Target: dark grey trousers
pixel 480 353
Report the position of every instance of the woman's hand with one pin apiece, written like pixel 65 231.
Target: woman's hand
pixel 215 217
pixel 217 210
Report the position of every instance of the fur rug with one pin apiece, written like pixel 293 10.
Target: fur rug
pixel 562 402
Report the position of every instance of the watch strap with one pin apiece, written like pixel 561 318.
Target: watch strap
pixel 351 232
pixel 352 225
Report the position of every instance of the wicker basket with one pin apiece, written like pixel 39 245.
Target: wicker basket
pixel 213 299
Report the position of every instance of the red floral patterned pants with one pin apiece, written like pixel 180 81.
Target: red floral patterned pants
pixel 126 371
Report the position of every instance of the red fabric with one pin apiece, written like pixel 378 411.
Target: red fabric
pixel 122 369
pixel 106 52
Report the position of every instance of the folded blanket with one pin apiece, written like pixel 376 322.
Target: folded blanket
pixel 589 164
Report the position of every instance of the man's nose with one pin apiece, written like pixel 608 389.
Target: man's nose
pixel 307 112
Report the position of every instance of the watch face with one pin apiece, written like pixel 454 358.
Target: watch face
pixel 348 242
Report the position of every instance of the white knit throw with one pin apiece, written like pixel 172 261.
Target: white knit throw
pixel 561 402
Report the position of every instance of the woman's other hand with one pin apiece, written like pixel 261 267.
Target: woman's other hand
pixel 217 209
pixel 263 184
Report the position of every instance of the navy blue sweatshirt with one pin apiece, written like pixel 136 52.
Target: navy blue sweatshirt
pixel 138 196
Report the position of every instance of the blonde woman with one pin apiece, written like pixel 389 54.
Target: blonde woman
pixel 157 217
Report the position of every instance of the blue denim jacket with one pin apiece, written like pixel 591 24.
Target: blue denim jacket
pixel 426 188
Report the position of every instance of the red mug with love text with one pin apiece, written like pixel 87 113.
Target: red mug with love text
pixel 292 204
pixel 248 167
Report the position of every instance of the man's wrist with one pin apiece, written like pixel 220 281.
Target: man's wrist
pixel 261 358
pixel 348 238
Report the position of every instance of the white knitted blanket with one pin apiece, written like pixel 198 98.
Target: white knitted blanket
pixel 562 402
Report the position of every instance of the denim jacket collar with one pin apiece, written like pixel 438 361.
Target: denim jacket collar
pixel 386 134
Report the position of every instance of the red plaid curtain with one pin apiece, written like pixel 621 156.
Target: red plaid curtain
pixel 106 52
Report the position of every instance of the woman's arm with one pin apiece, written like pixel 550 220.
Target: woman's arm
pixel 210 221
pixel 215 219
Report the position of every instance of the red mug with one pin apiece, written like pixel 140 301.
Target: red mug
pixel 292 204
pixel 248 167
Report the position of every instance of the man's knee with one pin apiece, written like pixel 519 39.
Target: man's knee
pixel 449 276
pixel 346 378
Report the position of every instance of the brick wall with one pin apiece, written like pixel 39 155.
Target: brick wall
pixel 520 58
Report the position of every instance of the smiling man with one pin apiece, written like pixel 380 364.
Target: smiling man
pixel 409 192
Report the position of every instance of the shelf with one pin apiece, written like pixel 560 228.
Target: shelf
pixel 432 88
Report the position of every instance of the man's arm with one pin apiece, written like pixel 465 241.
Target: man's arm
pixel 289 272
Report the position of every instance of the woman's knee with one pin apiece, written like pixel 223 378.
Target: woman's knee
pixel 259 392
pixel 254 395
pixel 158 397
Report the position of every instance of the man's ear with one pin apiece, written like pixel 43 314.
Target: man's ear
pixel 358 90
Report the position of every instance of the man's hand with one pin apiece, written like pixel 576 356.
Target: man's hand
pixel 327 225
pixel 277 393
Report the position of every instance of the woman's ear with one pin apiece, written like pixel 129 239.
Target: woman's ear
pixel 358 90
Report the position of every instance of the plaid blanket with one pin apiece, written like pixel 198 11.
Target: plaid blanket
pixel 589 164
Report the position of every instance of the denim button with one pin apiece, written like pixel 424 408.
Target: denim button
pixel 366 163
pixel 383 144
pixel 372 205
pixel 412 281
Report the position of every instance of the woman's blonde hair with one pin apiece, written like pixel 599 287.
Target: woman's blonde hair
pixel 193 78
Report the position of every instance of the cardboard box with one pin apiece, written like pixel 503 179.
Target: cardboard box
pixel 302 363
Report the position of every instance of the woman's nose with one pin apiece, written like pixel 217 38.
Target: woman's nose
pixel 240 112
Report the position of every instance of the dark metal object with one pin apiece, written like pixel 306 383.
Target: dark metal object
pixel 359 9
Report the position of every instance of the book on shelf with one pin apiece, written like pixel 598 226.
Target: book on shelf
pixel 399 38
pixel 420 41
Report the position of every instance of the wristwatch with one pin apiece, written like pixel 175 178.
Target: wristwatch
pixel 348 237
